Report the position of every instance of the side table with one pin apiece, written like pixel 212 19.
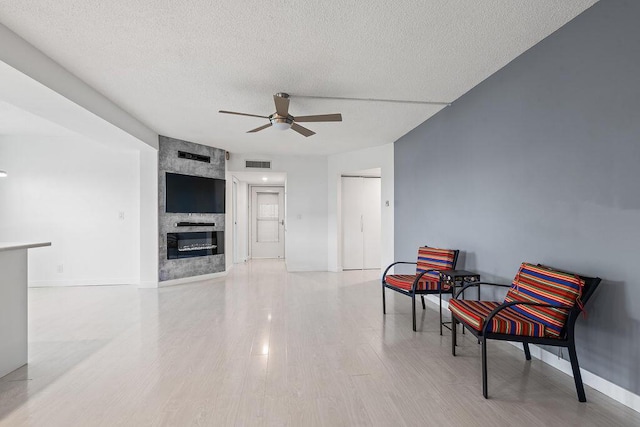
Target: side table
pixel 455 279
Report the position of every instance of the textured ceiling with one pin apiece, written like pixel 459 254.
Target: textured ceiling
pixel 174 64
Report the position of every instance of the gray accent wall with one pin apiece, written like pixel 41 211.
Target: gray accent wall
pixel 541 163
pixel 170 269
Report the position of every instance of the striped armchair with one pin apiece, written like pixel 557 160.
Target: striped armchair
pixel 426 280
pixel 541 307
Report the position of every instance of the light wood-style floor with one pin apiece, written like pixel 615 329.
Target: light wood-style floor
pixel 267 347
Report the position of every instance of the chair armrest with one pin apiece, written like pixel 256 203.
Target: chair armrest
pixel 391 265
pixel 504 305
pixel 474 284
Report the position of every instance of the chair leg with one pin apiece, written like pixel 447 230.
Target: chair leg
pixel 485 393
pixel 577 377
pixel 440 295
pixel 453 335
pixel 424 307
pixel 413 310
pixel 384 301
pixel 527 353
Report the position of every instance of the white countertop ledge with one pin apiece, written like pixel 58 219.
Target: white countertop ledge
pixel 9 246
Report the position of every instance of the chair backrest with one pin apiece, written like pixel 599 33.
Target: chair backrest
pixel 435 259
pixel 590 286
pixel 541 284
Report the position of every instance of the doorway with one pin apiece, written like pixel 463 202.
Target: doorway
pixel 361 222
pixel 267 222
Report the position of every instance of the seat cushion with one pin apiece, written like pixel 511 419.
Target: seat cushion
pixel 507 321
pixel 540 284
pixel 405 281
pixel 434 259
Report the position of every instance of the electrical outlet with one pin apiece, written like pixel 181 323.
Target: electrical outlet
pixel 60 268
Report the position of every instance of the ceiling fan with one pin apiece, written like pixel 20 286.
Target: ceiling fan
pixel 282 120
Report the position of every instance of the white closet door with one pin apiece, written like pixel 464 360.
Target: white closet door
pixel 360 223
pixel 352 244
pixel 371 189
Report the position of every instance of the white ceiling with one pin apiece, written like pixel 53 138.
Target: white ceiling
pixel 174 64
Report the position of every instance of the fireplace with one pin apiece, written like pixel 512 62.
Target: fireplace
pixel 195 244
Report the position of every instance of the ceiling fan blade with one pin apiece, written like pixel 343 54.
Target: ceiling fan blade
pixel 302 130
pixel 320 118
pixel 260 128
pixel 242 114
pixel 282 105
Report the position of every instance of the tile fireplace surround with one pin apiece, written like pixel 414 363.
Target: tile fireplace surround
pixel 169 223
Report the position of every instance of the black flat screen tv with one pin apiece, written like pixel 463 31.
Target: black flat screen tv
pixel 194 194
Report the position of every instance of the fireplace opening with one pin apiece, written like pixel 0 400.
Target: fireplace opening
pixel 194 244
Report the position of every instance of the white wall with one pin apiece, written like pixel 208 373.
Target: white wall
pixel 148 196
pixel 306 207
pixel 228 221
pixel 339 164
pixel 243 221
pixel 70 191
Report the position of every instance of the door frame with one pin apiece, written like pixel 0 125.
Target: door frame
pixel 251 219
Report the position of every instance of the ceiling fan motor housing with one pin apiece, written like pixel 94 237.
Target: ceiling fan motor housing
pixel 281 122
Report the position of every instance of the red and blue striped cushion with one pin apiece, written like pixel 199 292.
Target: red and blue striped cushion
pixel 405 281
pixel 541 284
pixel 507 321
pixel 434 259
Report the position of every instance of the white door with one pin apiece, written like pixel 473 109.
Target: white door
pixel 352 225
pixel 371 222
pixel 267 222
pixel 361 223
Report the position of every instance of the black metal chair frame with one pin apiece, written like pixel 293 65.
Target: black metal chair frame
pixel 415 291
pixel 567 334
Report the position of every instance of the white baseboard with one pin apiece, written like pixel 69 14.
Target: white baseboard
pixel 184 280
pixel 83 282
pixel 600 384
pixel 123 281
pixel 612 390
pixel 151 284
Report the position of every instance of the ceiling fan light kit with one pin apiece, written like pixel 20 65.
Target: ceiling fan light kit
pixel 280 123
pixel 282 120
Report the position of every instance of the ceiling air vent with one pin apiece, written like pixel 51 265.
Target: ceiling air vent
pixel 257 164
